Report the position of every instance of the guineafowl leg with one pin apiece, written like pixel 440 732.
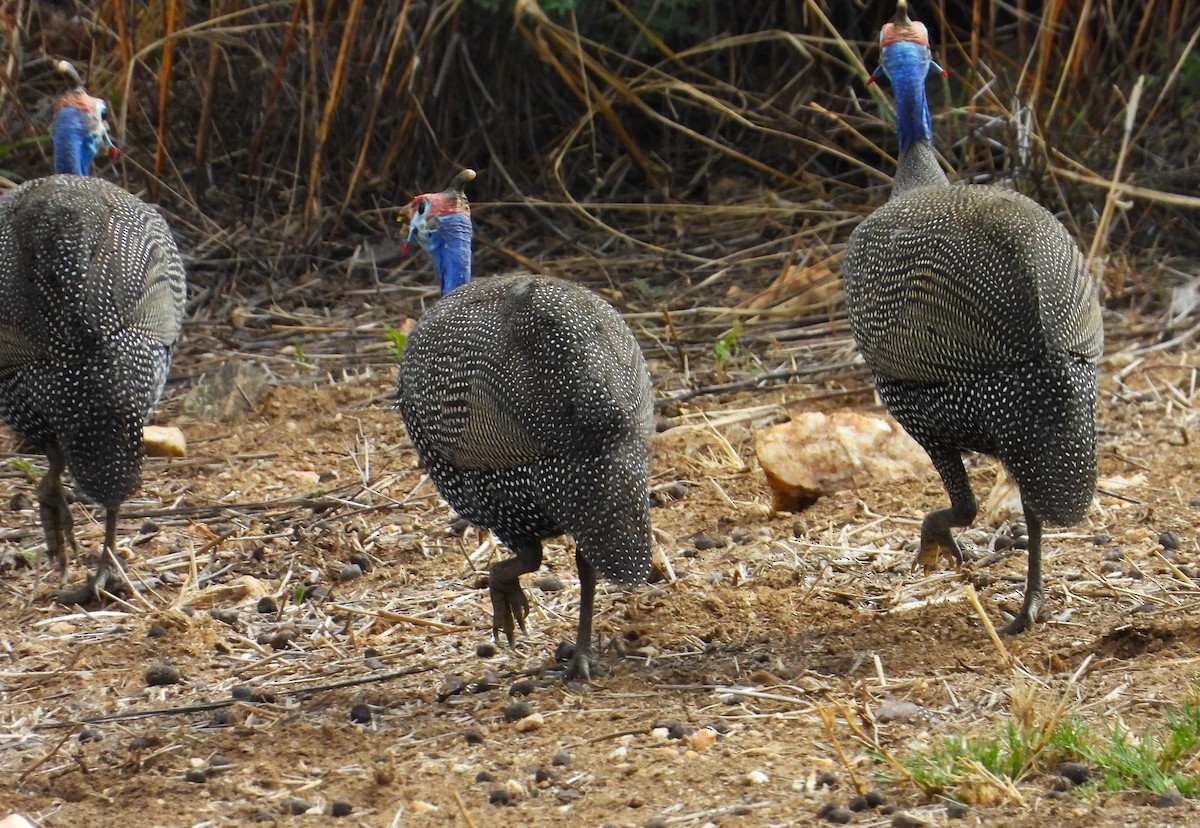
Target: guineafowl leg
pixel 509 603
pixel 1035 594
pixel 55 514
pixel 109 563
pixel 580 664
pixel 936 540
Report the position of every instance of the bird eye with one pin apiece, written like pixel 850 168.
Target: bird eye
pixel 422 206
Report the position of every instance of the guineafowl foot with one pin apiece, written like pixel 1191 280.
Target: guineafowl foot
pixel 510 606
pixel 1033 608
pixel 107 577
pixel 576 662
pixel 55 514
pixel 579 663
pixel 936 540
pixel 931 552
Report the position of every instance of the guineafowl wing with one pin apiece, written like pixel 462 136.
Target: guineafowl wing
pixel 136 279
pixel 951 282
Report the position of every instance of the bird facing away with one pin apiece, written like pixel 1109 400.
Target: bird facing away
pixel 529 403
pixel 92 295
pixel 976 315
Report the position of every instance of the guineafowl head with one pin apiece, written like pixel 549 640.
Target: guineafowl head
pixel 79 132
pixel 906 59
pixel 441 224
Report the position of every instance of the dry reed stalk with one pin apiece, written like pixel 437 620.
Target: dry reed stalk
pixel 332 100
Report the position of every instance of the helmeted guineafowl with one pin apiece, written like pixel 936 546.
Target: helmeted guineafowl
pixel 92 295
pixel 529 403
pixel 974 311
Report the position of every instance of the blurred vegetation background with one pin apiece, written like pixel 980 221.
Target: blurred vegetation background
pixel 719 147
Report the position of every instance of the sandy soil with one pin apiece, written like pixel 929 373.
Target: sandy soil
pixel 382 694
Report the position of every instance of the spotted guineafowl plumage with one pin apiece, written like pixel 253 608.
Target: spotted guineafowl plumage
pixel 528 401
pixel 976 315
pixel 91 300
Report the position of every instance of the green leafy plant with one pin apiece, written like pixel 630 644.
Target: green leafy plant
pixel 300 360
pixel 726 346
pixel 1154 761
pixel 20 464
pixel 396 341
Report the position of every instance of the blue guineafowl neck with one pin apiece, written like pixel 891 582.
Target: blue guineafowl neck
pixel 907 64
pixel 450 248
pixel 74 144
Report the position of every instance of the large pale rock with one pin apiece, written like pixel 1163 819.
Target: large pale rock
pixel 817 454
pixel 163 441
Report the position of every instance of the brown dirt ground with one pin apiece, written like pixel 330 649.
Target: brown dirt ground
pixel 794 615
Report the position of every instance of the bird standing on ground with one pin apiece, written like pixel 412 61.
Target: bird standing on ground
pixel 974 310
pixel 529 402
pixel 92 294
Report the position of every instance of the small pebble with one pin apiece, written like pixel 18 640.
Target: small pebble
pixel 451 686
pixel 90 735
pixel 835 814
pixel 903 819
pixel 657 822
pixel 1102 538
pixel 498 797
pixel 674 491
pixel 1169 540
pixel 226 615
pixel 561 759
pixel 530 723
pixel 295 806
pixel 742 536
pixel 196 775
pixel 858 803
pixel 1021 543
pixel 360 713
pixel 1002 543
pixel 874 799
pixel 827 779
pixel 1142 608
pixel 247 692
pixel 221 718
pixel 1169 798
pixel 267 604
pixel 486 650
pixel 361 561
pixel 350 572
pixel 635 801
pixel 704 541
pixel 473 736
pixel 162 674
pixel 263 816
pixel 20 502
pixel 563 652
pixel 484 776
pixel 674 729
pixel 956 809
pixel 757 777
pixel 548 583
pixel 282 639
pixel 1117 554
pixel 522 688
pixel 542 775
pixel 517 711
pixel 1195 501
pixel 156 631
pixel 341 809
